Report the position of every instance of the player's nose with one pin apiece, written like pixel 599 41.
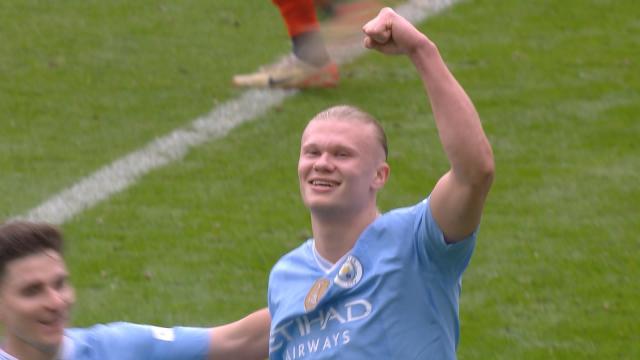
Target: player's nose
pixel 323 163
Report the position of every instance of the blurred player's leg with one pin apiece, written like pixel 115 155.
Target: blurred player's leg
pixel 304 30
pixel 343 27
pixel 309 65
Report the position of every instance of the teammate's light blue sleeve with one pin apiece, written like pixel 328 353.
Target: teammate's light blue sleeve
pixel 126 341
pixel 452 258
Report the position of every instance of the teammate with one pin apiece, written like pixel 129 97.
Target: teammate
pixel 371 285
pixel 36 298
pixel 309 65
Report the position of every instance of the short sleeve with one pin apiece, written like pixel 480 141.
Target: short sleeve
pixel 449 258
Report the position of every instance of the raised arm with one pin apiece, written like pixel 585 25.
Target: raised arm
pixel 247 338
pixel 458 198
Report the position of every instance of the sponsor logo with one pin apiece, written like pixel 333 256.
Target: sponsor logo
pixel 317 291
pixel 350 273
pixel 317 345
pixel 319 331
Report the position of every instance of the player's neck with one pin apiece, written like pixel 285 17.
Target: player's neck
pixel 23 351
pixel 335 236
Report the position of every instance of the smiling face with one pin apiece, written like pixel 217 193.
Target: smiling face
pixel 341 166
pixel 35 300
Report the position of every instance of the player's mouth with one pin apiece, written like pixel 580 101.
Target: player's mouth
pixel 323 183
pixel 53 323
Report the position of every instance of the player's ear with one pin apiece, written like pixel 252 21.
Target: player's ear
pixel 381 176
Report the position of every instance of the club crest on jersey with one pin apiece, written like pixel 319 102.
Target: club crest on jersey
pixel 315 294
pixel 350 273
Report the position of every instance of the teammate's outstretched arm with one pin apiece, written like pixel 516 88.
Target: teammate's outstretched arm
pixel 245 339
pixel 458 198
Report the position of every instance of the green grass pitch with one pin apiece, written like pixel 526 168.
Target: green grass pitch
pixel 557 84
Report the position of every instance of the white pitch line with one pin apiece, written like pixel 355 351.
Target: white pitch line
pixel 126 171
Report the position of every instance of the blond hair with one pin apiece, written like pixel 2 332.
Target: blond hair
pixel 350 112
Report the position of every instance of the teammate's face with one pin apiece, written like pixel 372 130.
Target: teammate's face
pixel 341 166
pixel 35 300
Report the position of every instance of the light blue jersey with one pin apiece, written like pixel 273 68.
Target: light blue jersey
pixel 126 341
pixel 393 296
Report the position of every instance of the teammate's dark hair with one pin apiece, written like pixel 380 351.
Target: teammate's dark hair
pixel 23 238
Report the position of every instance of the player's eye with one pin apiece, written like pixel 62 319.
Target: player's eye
pixel 60 283
pixel 343 153
pixel 31 290
pixel 312 152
